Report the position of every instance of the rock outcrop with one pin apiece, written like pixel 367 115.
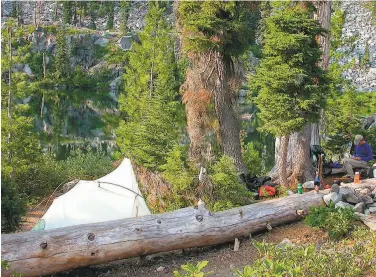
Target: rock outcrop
pixel 359 30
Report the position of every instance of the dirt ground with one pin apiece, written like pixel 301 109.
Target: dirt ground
pixel 222 259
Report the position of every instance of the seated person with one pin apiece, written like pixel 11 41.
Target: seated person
pixel 362 155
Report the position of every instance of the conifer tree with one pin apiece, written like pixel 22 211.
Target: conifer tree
pixel 366 56
pixel 67 12
pixel 214 35
pixel 62 56
pixel 150 125
pixel 19 145
pixel 111 13
pixel 124 13
pixel 291 85
pixel 93 8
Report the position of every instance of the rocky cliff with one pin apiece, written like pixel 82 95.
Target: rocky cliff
pixel 359 33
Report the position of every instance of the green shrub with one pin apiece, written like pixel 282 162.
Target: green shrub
pixel 13 206
pixel 180 175
pixel 41 178
pixel 302 261
pixel 337 222
pixel 252 159
pixel 191 270
pixel 176 171
pixel 90 165
pixel 227 191
pixel 221 191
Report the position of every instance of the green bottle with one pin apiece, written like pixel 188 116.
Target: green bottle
pixel 300 188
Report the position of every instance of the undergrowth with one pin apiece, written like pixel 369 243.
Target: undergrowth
pixel 347 258
pixel 337 222
pixel 350 257
pixel 220 187
pixel 190 270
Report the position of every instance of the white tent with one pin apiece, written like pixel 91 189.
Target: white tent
pixel 114 196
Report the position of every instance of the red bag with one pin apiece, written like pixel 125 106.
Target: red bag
pixel 267 191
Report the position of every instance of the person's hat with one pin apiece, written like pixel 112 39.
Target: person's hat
pixel 357 139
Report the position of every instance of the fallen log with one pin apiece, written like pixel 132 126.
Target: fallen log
pixel 51 251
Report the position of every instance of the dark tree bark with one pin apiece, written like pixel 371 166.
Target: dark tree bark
pixel 10 72
pixel 208 79
pixel 35 14
pixel 323 14
pixel 224 87
pixel 44 77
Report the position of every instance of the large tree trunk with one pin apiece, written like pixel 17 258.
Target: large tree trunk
pixel 47 252
pixel 224 102
pixel 283 162
pixel 210 78
pixel 323 14
pixel 200 118
pixel 299 165
pixel 44 77
pixel 10 72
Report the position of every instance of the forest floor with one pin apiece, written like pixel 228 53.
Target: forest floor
pixel 222 258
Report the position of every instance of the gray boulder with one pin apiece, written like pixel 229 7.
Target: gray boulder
pixel 27 70
pixel 285 243
pixel 290 192
pixel 309 185
pixel 359 207
pixel 343 205
pixel 101 41
pixel 365 191
pixel 343 191
pixel 366 199
pixel 351 198
pixel 335 188
pixel 372 210
pixel 331 197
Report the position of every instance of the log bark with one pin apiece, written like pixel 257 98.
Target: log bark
pixel 51 251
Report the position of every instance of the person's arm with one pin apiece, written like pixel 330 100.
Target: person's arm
pixel 369 153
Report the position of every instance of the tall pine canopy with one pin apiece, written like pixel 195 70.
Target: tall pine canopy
pixel 150 106
pixel 290 83
pixel 291 86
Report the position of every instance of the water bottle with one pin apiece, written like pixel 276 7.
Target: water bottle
pixel 300 188
pixel 357 178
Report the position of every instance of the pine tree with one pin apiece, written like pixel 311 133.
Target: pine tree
pixel 124 14
pixel 62 62
pixel 67 12
pixel 93 8
pixel 214 35
pixel 366 56
pixel 111 13
pixel 14 12
pixel 291 86
pixel 151 123
pixel 19 145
